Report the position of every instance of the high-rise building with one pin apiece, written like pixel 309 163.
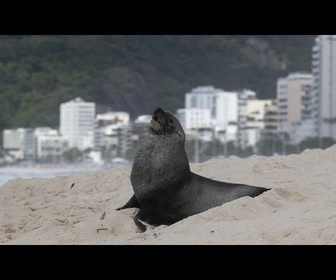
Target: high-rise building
pixel 223 111
pixel 223 105
pixel 194 118
pixel 324 85
pixel 77 121
pixel 295 105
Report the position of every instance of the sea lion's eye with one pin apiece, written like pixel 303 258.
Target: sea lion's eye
pixel 171 120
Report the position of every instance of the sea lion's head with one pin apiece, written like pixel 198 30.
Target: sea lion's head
pixel 165 123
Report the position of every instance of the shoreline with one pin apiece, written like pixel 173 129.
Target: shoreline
pixel 57 168
pixel 9 173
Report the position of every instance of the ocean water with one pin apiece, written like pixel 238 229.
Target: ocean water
pixel 10 175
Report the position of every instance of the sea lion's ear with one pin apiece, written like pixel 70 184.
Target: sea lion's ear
pixel 178 133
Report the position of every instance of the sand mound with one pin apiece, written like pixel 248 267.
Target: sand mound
pixel 300 208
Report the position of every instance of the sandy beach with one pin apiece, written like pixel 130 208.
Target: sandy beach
pixel 300 208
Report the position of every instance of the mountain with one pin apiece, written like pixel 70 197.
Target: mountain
pixel 136 73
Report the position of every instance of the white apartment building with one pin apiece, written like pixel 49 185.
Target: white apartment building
pixel 19 142
pixel 12 139
pixel 295 104
pixel 49 143
pixel 324 86
pixel 29 143
pixel 223 105
pixel 77 123
pixel 194 118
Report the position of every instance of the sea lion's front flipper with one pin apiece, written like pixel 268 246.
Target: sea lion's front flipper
pixel 132 203
pixel 148 218
pixel 141 220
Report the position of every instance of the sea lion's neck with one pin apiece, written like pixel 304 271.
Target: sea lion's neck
pixel 160 163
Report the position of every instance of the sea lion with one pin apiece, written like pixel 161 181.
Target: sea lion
pixel 165 189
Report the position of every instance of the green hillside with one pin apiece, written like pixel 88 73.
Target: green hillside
pixel 136 73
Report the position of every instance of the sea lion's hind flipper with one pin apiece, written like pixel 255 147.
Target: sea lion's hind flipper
pixel 132 203
pixel 140 224
pixel 258 191
pixel 143 220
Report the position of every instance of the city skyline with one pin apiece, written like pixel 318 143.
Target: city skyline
pixel 305 104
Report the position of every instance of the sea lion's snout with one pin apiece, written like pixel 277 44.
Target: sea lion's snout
pixel 162 123
pixel 157 121
pixel 158 111
pixel 158 114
